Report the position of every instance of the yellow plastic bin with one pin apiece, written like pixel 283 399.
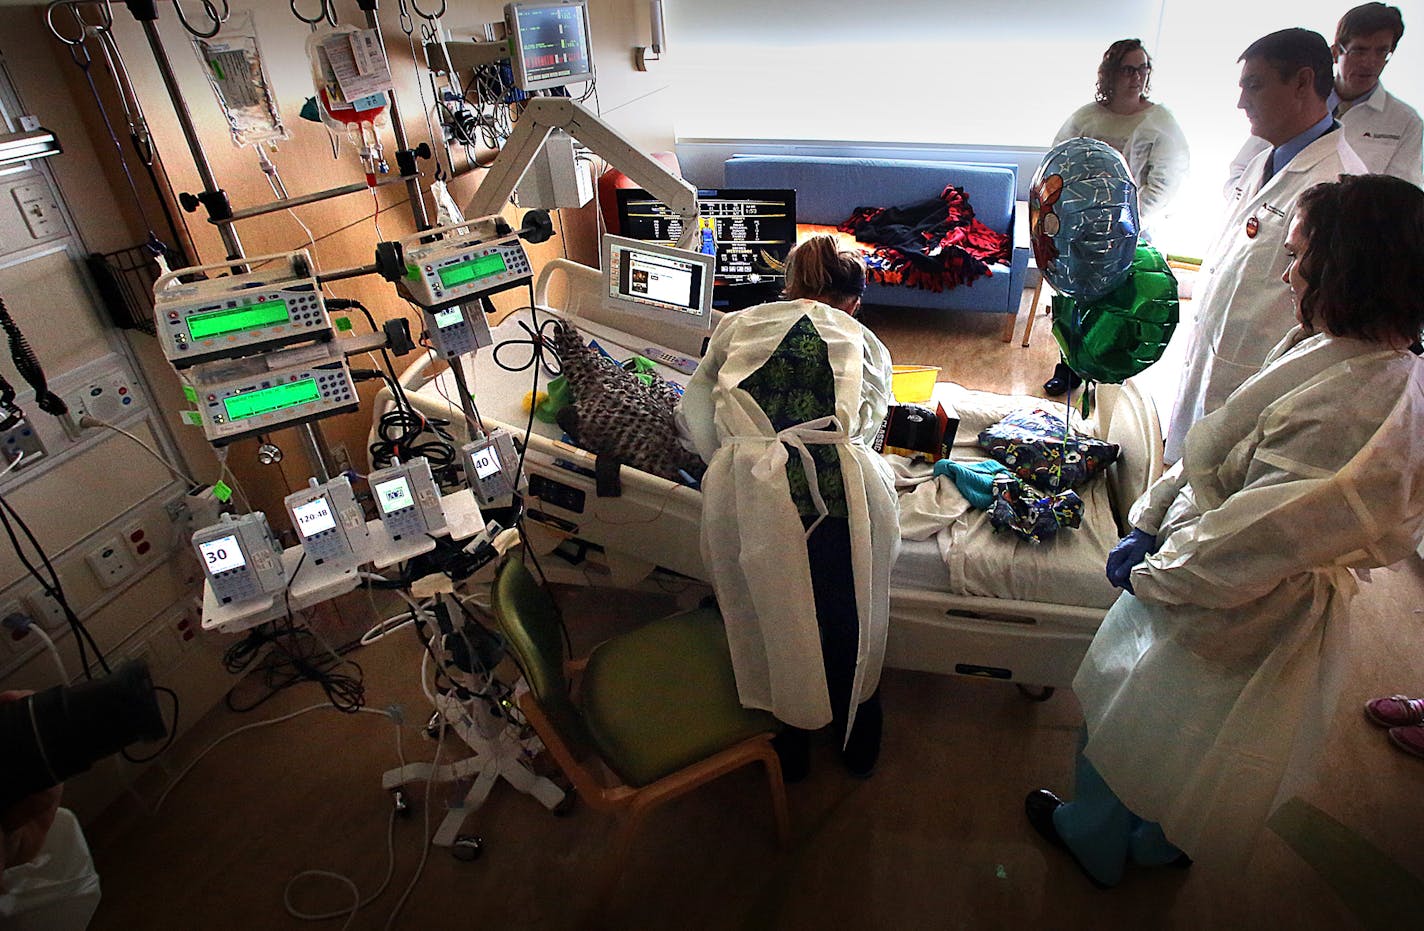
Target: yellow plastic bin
pixel 913 384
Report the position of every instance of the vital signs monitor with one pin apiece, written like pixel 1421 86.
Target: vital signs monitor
pixel 658 282
pixel 549 43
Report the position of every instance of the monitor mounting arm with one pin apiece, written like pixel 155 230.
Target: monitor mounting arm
pixel 541 117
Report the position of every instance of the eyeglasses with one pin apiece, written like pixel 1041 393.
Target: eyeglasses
pixel 1382 52
pixel 1128 71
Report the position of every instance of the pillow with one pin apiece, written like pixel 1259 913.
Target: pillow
pixel 614 413
pixel 1033 446
pixel 1030 515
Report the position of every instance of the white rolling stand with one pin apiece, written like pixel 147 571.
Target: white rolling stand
pixel 498 755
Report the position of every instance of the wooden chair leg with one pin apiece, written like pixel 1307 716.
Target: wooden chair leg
pixel 778 797
pixel 1032 313
pixel 1010 322
pixel 632 819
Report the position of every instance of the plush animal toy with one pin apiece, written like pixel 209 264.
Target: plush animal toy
pixel 615 414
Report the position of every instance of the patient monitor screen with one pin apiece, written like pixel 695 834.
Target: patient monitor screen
pixel 659 281
pixel 550 43
pixel 749 231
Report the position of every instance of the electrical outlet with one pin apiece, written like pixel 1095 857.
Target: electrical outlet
pixel 111 563
pixel 141 540
pixel 21 442
pixel 341 458
pixel 46 611
pixel 8 643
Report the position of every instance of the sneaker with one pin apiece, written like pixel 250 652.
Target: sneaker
pixel 1408 739
pixel 1395 711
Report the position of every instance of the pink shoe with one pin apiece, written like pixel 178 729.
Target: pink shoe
pixel 1395 711
pixel 1408 739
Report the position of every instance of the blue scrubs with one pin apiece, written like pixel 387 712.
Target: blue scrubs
pixel 1102 832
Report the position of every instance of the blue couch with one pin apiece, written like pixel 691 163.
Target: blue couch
pixel 829 188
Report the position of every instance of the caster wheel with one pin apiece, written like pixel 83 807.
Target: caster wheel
pixel 1035 692
pixel 401 802
pixel 467 847
pixel 565 807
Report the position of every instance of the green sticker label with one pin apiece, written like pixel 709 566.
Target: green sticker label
pixel 190 393
pixel 191 418
pixel 222 492
pixel 342 323
pixel 412 272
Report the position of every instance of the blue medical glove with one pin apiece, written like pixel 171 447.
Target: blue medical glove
pixel 1129 552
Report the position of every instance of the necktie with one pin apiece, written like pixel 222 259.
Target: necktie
pixel 1270 168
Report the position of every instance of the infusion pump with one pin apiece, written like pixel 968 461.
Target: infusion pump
pixel 276 304
pixel 241 557
pixel 262 393
pixel 437 273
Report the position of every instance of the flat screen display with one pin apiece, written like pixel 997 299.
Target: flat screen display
pixel 314 517
pixel 749 231
pixel 549 43
pixel 394 495
pixel 275 398
pixel 486 462
pixel 472 270
pixel 659 282
pixel 453 316
pixel 235 320
pixel 222 554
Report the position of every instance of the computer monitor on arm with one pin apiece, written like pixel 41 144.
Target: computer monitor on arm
pixel 659 283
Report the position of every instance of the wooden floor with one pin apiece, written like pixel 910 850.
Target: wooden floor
pixel 935 838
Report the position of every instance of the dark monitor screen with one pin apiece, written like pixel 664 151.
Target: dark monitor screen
pixel 749 231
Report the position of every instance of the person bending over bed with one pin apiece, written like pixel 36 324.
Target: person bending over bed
pixel 799 518
pixel 1208 689
pixel 1144 132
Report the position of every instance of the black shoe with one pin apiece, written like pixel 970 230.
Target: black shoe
pixel 862 751
pixel 793 749
pixel 1063 381
pixel 1039 807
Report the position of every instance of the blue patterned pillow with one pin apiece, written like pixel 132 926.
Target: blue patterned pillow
pixel 1032 444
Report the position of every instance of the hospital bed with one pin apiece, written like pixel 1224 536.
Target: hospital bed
pixel 1026 614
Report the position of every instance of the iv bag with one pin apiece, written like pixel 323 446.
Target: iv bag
pixel 237 73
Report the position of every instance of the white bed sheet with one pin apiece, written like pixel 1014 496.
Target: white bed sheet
pixel 1067 570
pixel 968 557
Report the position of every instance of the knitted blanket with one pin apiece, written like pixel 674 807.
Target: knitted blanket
pixel 934 244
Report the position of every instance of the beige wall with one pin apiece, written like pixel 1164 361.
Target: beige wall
pixel 344 228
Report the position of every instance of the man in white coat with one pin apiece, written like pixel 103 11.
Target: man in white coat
pixel 1244 308
pixel 1384 131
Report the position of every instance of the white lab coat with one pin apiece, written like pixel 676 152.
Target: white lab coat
pixel 1243 308
pixel 1384 131
pixel 753 540
pixel 1207 696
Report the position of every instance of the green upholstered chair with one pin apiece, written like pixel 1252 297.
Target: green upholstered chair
pixel 657 705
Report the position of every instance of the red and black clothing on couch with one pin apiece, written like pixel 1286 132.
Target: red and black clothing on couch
pixel 933 244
